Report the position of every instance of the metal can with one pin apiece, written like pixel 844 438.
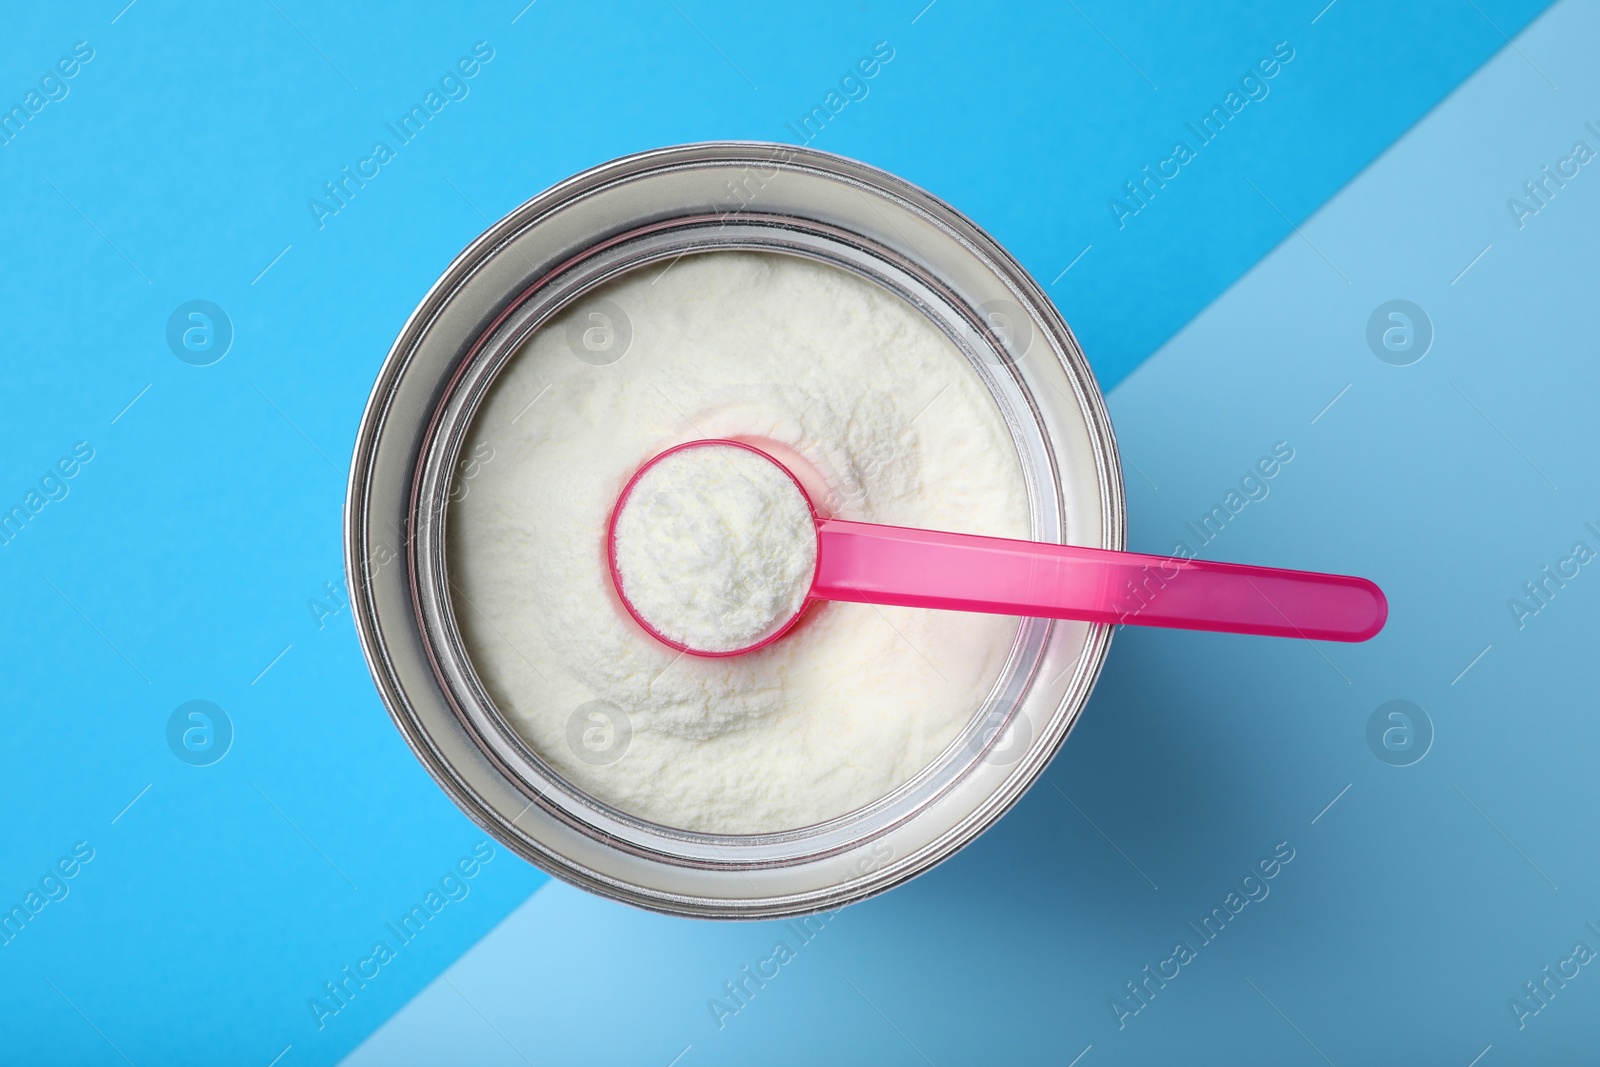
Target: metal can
pixel 619 217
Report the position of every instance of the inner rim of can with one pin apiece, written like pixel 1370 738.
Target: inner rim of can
pixel 640 250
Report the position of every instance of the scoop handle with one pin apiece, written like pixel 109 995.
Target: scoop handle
pixel 867 563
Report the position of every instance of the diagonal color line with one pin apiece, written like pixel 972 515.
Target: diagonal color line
pixel 130 404
pixel 1080 1056
pixel 1102 833
pixel 1074 263
pixel 1502 833
pixel 308 840
pixel 888 1020
pixel 1297 230
pixel 1480 1055
pixel 689 1046
pixel 124 11
pixel 90 1021
pixel 1331 803
pixel 523 12
pixel 462 195
pixel 96 629
pixel 713 44
pixel 296 429
pixel 1471 665
pixel 1332 402
pixel 924 11
pixel 98 230
pixel 669 266
pixel 1290 1021
pixel 1504 438
pixel 1514 47
pixel 1469 266
pixel 281 1055
pixel 273 664
pixel 929 404
pixel 274 263
pixel 1324 11
pixel 1113 44
pixel 314 47
pixel 486 1020
pixel 681 653
pixel 1142 474
pixel 130 804
pixel 530 403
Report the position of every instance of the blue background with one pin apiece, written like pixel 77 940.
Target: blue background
pixel 192 556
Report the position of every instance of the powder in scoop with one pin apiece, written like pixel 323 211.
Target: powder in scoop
pixel 715 547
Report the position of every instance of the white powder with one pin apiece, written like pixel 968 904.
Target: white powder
pixel 852 702
pixel 715 547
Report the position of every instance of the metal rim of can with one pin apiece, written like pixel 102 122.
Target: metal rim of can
pixel 538 260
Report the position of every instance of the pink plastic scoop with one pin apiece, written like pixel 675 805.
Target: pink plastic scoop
pixel 872 564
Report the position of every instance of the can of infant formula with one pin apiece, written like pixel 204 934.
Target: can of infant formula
pixel 415 456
